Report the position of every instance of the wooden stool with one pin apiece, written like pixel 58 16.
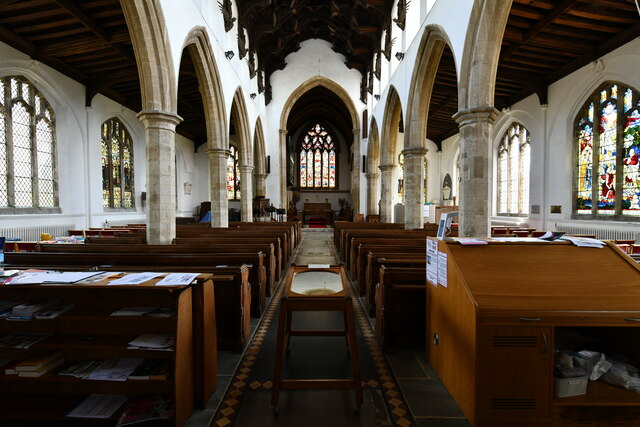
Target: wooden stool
pixel 315 288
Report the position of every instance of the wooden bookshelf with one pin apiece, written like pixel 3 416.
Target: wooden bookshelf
pixel 88 332
pixel 491 334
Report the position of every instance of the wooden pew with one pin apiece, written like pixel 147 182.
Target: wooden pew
pixel 273 264
pixel 214 234
pixel 252 256
pixel 389 260
pixel 339 226
pixel 233 332
pixel 116 240
pixel 401 306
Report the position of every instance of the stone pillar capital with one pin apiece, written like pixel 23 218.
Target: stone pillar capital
pixel 217 153
pixel 356 132
pixel 261 175
pixel 385 168
pixel 414 152
pixel 246 168
pixel 372 175
pixel 159 119
pixel 283 131
pixel 483 114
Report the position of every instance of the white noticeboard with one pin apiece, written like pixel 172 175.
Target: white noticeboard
pixel 432 262
pixel 442 269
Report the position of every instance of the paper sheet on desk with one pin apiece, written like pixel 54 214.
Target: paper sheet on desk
pixel 177 279
pixel 585 242
pixel 51 277
pixel 135 278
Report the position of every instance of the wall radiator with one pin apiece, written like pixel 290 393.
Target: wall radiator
pixel 33 233
pixel 600 233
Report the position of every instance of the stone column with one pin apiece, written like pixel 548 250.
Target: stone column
pixel 218 186
pixel 386 196
pixel 355 173
pixel 283 169
pixel 372 192
pixel 414 187
pixel 160 136
pixel 261 184
pixel 246 193
pixel 475 130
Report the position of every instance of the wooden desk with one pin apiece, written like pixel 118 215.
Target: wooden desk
pixel 320 210
pixel 492 332
pixel 315 289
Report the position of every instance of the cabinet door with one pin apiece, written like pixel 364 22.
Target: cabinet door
pixel 514 373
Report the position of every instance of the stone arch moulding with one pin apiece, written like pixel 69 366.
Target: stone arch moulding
pixel 391 118
pixel 241 124
pixel 150 41
pixel 197 42
pixel 373 148
pixel 286 110
pixel 433 42
pixel 259 149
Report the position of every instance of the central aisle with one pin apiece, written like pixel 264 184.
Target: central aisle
pixel 247 401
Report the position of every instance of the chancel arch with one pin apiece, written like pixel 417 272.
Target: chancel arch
pixel 324 93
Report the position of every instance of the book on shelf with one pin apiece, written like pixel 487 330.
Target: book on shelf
pixel 36 362
pixel 133 311
pixel 10 368
pixel 30 307
pixel 153 342
pixel 98 406
pixel 140 409
pixel 162 312
pixel 22 339
pixel 7 306
pixel 80 369
pixel 53 312
pixel 114 369
pixel 49 366
pixel 151 369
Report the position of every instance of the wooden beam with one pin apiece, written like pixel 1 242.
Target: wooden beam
pixel 77 13
pixel 555 12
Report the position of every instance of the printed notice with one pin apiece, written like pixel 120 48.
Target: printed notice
pixel 135 278
pixel 432 262
pixel 177 279
pixel 442 269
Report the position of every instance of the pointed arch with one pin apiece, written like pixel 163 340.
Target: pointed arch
pixel 433 43
pixel 344 96
pixel 146 23
pixel 390 124
pixel 241 125
pixel 199 47
pixel 373 173
pixel 259 159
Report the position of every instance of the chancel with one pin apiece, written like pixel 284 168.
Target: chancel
pixel 239 140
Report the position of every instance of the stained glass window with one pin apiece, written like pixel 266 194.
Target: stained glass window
pixel 513 171
pixel 117 165
pixel 608 139
pixel 318 159
pixel 233 175
pixel 27 146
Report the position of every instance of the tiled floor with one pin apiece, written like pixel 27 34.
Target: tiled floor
pixel 428 401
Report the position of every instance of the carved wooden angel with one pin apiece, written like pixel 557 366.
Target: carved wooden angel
pixel 242 42
pixel 388 43
pixel 227 14
pixel 403 6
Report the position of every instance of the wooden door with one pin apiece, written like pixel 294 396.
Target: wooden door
pixel 514 373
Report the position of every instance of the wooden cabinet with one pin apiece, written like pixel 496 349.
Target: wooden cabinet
pixel 492 332
pixel 89 332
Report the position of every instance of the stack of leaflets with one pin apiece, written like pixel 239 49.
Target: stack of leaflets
pixel 53 312
pixel 162 342
pixel 114 370
pixel 98 406
pixel 140 409
pixel 80 369
pixel 27 309
pixel 7 306
pixel 37 366
pixel 22 339
pixel 145 311
pixel 151 369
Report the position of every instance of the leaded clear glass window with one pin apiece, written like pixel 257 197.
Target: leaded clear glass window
pixel 27 146
pixel 117 165
pixel 233 174
pixel 607 141
pixel 318 159
pixel 514 155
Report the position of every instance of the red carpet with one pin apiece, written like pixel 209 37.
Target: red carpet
pixel 317 222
